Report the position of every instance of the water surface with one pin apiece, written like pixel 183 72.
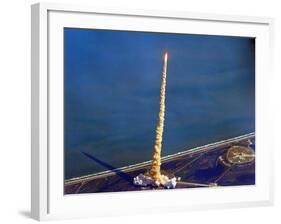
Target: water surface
pixel 112 85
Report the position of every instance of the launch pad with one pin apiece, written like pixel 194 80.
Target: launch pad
pixel 227 163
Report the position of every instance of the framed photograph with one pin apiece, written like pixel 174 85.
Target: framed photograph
pixel 148 111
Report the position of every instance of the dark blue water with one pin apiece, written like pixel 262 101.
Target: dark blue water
pixel 112 85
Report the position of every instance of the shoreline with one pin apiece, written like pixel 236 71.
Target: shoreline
pixel 167 158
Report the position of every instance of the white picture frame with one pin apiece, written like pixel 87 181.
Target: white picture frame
pixel 48 201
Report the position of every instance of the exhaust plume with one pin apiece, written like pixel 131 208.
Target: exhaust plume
pixel 155 171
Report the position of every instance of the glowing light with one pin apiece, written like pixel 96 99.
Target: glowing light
pixel 166 56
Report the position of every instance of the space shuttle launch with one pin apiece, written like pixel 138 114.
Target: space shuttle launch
pixel 155 171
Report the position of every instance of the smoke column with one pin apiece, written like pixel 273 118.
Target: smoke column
pixel 155 172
